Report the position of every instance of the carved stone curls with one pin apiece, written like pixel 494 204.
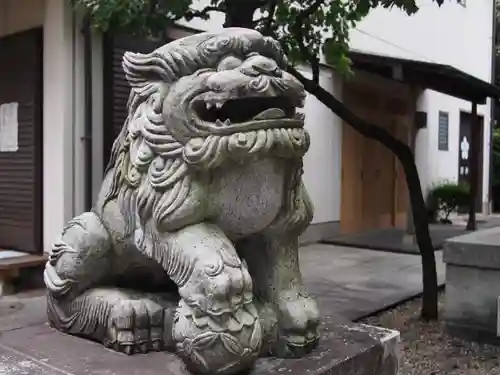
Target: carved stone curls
pixel 192 245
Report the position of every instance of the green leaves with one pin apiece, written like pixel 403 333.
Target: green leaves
pixel 307 29
pixel 325 30
pixel 135 17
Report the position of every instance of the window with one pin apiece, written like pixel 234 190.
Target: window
pixel 443 131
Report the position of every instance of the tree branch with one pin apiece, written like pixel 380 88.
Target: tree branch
pixel 362 126
pixel 239 13
pixel 203 13
pixel 297 29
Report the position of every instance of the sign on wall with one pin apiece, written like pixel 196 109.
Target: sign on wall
pixel 443 131
pixel 9 127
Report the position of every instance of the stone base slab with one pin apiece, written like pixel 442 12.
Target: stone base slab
pixel 473 285
pixel 472 333
pixel 345 349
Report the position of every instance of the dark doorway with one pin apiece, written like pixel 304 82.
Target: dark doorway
pixel 464 156
pixel 21 173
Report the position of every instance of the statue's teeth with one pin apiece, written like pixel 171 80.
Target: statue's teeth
pixel 227 122
pixel 218 105
pixel 300 116
pixel 208 105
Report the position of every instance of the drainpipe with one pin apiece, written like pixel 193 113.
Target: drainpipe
pixel 87 138
pixel 493 104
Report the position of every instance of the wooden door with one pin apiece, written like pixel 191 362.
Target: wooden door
pixel 401 128
pixel 378 179
pixel 351 205
pixel 372 179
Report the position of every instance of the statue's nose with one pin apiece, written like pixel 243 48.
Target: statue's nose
pixel 258 65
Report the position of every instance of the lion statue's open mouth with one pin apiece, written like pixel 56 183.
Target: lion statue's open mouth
pixel 244 93
pixel 251 112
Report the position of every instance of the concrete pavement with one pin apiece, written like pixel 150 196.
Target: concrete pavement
pixel 346 281
pixel 357 282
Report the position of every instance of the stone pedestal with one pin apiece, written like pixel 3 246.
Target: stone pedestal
pixel 344 349
pixel 473 285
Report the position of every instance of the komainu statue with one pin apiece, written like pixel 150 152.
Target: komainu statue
pixel 192 245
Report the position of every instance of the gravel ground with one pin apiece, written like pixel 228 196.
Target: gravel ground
pixel 427 350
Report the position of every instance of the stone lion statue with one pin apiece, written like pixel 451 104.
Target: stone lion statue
pixel 192 244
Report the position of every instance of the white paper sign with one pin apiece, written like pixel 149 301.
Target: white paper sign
pixel 9 127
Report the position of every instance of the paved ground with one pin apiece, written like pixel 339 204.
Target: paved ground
pixel 391 239
pixel 356 282
pixel 346 281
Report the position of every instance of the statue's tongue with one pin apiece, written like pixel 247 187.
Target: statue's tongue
pixel 271 113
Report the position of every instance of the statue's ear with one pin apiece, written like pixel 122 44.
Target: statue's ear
pixel 142 69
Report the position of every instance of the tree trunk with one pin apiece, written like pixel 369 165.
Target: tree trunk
pixel 405 156
pixel 240 18
pixel 239 13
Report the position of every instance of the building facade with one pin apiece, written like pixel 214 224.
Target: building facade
pixel 437 34
pixel 77 101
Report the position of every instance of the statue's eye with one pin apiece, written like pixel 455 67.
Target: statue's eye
pixel 228 63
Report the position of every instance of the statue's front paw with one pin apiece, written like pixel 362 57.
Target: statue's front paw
pixel 298 325
pixel 219 290
pixel 136 326
pixel 217 328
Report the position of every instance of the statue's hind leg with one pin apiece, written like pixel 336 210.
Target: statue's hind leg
pixel 216 327
pixel 78 303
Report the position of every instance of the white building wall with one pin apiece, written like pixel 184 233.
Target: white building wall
pixel 323 163
pixel 58 180
pixel 452 34
pixel 62 120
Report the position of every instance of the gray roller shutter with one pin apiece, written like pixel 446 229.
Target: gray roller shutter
pixel 21 172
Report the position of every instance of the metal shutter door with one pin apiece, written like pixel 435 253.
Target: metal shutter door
pixel 21 171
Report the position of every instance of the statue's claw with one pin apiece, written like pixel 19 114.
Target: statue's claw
pixel 136 326
pixel 218 294
pixel 299 322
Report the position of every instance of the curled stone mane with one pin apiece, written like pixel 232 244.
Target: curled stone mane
pixel 150 167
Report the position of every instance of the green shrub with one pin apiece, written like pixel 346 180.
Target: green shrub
pixel 445 198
